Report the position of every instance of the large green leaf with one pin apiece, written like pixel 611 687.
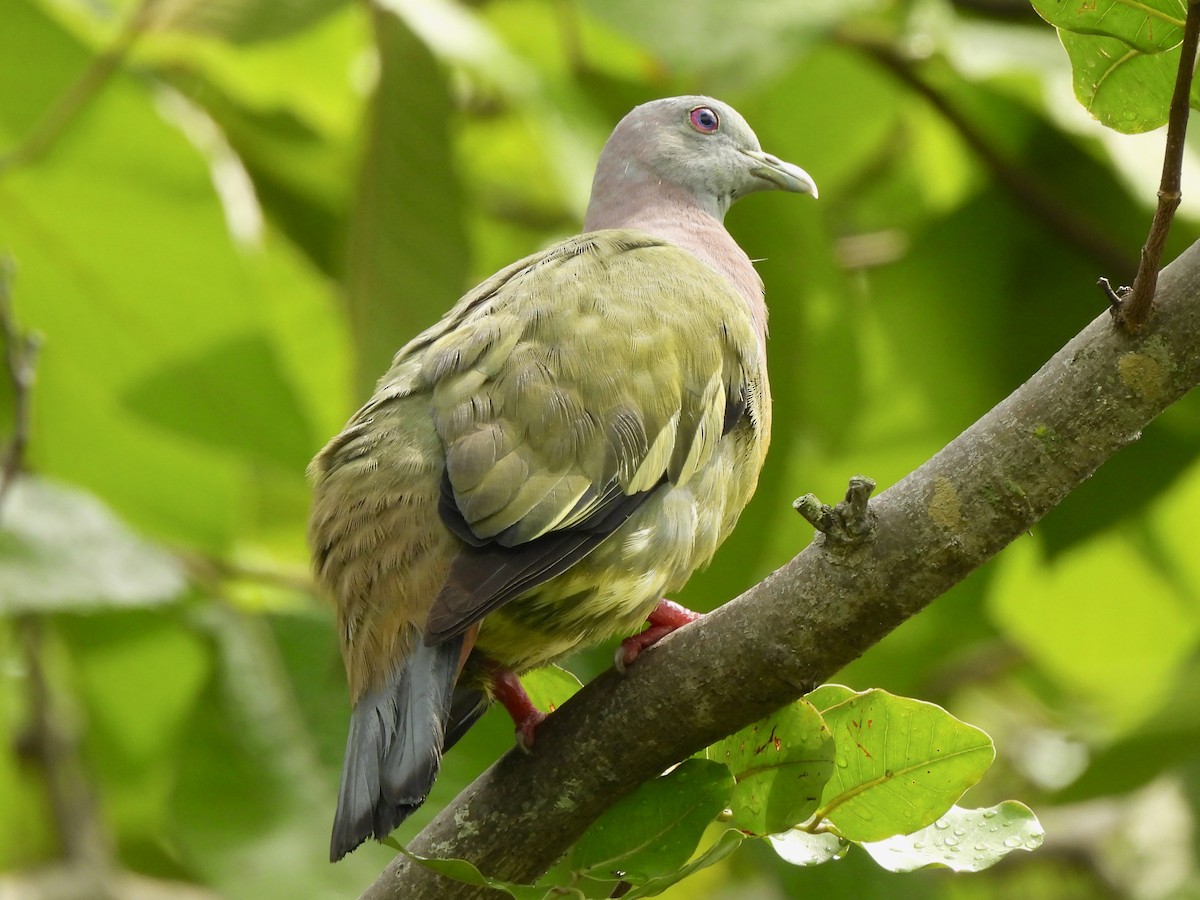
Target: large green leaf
pixel 301 173
pixel 126 266
pixel 63 549
pixel 1149 26
pixel 234 396
pixel 407 255
pixel 1072 616
pixel 900 764
pixel 1127 90
pixel 138 676
pixel 729 841
pixel 780 765
pixel 963 840
pixel 652 832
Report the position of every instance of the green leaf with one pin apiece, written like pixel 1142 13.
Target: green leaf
pixel 1127 90
pixel 550 687
pixel 1149 26
pixel 408 254
pixel 802 848
pixel 652 832
pixel 234 396
pixel 900 764
pixel 467 873
pixel 828 695
pixel 964 840
pixel 1087 636
pixel 125 263
pixel 140 673
pixel 742 41
pixel 61 548
pixel 779 765
pixel 725 845
pixel 243 21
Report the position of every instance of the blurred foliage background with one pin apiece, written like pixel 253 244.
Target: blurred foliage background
pixel 224 216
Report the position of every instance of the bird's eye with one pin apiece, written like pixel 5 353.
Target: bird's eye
pixel 704 120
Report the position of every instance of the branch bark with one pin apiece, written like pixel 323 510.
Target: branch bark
pixel 826 606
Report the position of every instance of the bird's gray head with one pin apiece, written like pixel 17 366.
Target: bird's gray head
pixel 698 146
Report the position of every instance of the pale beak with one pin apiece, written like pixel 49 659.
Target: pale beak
pixel 780 174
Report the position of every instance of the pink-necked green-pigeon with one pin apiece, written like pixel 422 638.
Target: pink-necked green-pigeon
pixel 570 442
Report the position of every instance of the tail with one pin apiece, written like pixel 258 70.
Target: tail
pixel 394 749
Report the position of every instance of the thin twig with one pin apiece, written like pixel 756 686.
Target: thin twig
pixel 211 571
pixel 1134 308
pixel 50 743
pixel 20 357
pixel 76 97
pixel 1034 195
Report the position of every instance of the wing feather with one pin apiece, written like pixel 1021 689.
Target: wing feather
pixel 602 370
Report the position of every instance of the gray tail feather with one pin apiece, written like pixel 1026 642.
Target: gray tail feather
pixel 394 747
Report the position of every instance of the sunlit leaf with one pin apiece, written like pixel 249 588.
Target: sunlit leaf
pixel 1071 615
pixel 62 548
pixel 140 674
pixel 652 832
pixel 467 873
pixel 802 848
pixel 550 687
pixel 124 263
pixel 900 764
pixel 407 254
pixel 780 764
pixel 828 695
pixel 1125 89
pixel 233 396
pixel 963 840
pixel 724 846
pixel 1149 26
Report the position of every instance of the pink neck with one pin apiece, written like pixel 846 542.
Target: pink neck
pixel 664 212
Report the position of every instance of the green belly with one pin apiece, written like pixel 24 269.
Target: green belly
pixel 610 592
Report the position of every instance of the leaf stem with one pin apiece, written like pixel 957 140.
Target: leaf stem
pixel 1134 309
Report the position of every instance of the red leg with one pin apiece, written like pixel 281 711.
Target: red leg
pixel 665 618
pixel 506 688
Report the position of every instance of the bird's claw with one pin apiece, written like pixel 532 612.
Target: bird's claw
pixel 526 729
pixel 665 618
pixel 507 688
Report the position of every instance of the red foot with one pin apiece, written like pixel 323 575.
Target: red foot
pixel 506 688
pixel 665 618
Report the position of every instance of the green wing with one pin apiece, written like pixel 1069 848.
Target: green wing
pixel 566 394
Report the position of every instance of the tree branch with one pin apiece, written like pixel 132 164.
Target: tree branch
pixel 825 607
